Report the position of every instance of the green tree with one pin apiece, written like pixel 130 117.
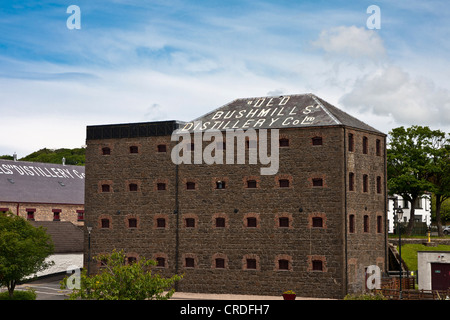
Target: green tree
pixel 72 156
pixel 23 249
pixel 119 280
pixel 440 174
pixel 409 164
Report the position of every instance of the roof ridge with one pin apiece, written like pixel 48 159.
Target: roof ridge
pixel 316 99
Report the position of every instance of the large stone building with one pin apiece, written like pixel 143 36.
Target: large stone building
pixel 312 225
pixel 42 191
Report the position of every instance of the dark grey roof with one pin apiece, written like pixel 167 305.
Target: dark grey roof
pixel 67 237
pixel 132 130
pixel 302 110
pixel 36 182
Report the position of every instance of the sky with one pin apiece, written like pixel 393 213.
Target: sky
pixel 138 61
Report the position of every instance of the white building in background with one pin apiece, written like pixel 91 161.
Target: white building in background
pixel 422 211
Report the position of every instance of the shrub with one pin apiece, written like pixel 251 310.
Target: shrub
pixel 19 295
pixel 365 296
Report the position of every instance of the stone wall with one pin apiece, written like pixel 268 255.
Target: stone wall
pixel 253 252
pixel 45 211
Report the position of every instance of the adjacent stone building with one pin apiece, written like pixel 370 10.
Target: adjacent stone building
pixel 312 226
pixel 42 191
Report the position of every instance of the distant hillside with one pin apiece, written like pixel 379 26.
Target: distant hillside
pixel 75 156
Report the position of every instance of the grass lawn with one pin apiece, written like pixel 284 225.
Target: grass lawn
pixel 409 253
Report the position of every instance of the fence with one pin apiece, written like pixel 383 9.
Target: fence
pixel 394 283
pixel 390 289
pixel 394 294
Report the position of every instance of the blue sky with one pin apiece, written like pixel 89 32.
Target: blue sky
pixel 137 60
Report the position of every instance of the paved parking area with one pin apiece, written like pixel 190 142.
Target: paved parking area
pixel 46 288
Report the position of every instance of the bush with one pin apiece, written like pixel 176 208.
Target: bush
pixel 19 295
pixel 365 296
pixel 120 280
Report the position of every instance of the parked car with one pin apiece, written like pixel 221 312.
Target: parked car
pixel 446 230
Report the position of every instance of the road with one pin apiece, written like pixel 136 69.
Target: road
pixel 45 288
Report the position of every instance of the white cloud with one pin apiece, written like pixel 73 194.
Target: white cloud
pixel 395 93
pixel 352 42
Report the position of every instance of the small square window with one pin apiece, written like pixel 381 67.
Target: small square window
pixel 317 182
pixel 251 264
pixel 317 265
pixel 160 223
pixel 106 188
pixel 317 222
pixel 161 186
pixel 80 215
pixel 220 222
pixel 317 141
pixel 283 222
pixel 220 263
pixel 220 184
pixel 162 148
pixel 284 142
pixel 134 149
pixel 103 263
pixel 190 222
pixel 284 183
pixel 56 216
pixel 190 262
pixel 106 151
pixel 190 185
pixel 251 184
pixel 131 260
pixel 133 187
pixel 105 223
pixel 283 264
pixel 30 215
pixel 132 223
pixel 251 222
pixel 160 262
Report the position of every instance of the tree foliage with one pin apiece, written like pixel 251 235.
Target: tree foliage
pixel 73 156
pixel 119 280
pixel 23 249
pixel 418 162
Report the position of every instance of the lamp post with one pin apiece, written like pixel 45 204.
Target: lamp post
pixel 399 212
pixel 89 229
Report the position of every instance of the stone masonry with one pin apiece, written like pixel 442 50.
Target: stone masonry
pixel 313 227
